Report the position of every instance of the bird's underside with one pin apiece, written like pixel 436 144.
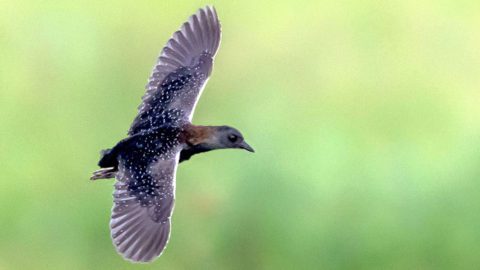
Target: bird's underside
pixel 145 163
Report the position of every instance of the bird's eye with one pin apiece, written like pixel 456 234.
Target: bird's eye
pixel 232 138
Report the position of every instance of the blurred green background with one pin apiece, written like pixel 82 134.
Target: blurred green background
pixel 365 117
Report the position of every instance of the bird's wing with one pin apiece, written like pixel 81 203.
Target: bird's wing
pixel 143 204
pixel 181 72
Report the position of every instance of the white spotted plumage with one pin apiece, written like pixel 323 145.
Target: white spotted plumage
pixel 145 188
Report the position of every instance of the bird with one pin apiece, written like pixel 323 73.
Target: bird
pixel 161 136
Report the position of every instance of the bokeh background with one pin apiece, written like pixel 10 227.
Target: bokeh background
pixel 365 117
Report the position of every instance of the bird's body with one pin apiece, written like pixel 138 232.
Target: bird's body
pixel 160 137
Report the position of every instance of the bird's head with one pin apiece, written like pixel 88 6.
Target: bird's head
pixel 229 137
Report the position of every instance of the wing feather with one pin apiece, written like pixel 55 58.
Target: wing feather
pixel 181 71
pixel 141 217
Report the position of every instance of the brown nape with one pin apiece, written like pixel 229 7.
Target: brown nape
pixel 194 135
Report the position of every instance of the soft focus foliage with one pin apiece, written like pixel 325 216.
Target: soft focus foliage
pixel 365 117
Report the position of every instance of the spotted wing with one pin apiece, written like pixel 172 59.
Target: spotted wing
pixel 180 73
pixel 143 204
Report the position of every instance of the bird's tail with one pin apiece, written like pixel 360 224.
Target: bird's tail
pixel 104 173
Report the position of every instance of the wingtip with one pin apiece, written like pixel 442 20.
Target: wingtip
pixel 206 8
pixel 209 6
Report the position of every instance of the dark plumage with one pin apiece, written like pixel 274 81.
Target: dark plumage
pixel 160 137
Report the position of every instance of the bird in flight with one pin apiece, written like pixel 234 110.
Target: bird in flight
pixel 160 137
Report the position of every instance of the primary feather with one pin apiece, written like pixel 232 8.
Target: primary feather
pixel 181 72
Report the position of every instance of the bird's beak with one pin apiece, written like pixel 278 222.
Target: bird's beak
pixel 247 147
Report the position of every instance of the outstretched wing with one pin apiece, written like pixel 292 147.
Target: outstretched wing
pixel 143 204
pixel 180 73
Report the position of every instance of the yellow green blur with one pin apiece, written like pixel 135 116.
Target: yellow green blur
pixel 365 118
